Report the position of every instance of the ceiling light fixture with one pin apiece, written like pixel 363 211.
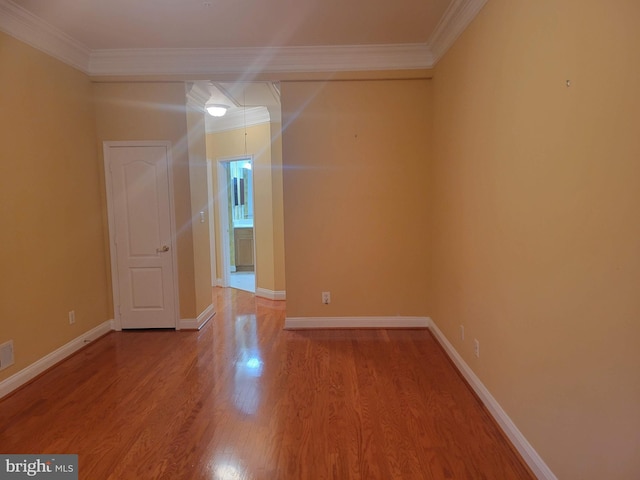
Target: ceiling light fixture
pixel 217 109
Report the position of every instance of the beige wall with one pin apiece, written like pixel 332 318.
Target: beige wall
pixel 199 203
pixel 535 195
pixel 355 158
pixel 278 207
pixel 224 145
pixel 155 111
pixel 492 196
pixel 52 257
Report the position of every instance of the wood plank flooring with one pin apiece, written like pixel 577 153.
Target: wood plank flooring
pixel 244 399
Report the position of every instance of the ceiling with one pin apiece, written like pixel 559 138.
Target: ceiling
pixel 242 94
pixel 101 24
pixel 248 103
pixel 154 37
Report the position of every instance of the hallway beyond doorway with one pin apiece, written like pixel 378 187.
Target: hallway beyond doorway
pixel 243 281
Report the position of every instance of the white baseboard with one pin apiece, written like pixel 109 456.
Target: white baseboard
pixel 198 323
pixel 529 455
pixel 26 374
pixel 271 294
pixel 297 323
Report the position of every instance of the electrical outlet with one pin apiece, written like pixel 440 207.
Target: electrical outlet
pixel 461 332
pixel 72 317
pixel 6 354
pixel 326 298
pixel 476 348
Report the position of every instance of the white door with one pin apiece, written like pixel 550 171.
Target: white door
pixel 141 233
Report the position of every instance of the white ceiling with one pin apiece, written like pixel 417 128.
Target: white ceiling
pixel 209 37
pixel 108 24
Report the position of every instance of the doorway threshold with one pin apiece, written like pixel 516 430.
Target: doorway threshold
pixel 243 281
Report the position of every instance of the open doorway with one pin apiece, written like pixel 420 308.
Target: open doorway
pixel 246 137
pixel 237 215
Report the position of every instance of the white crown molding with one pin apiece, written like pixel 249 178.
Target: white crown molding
pixel 26 27
pixel 23 25
pixel 454 21
pixel 197 97
pixel 237 118
pixel 212 61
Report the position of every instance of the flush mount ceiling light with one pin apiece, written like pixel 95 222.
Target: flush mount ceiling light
pixel 217 109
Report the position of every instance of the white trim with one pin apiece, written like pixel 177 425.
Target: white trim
pixel 223 217
pixel 26 374
pixel 111 225
pixel 198 323
pixel 212 225
pixel 223 222
pixel 32 30
pixel 252 60
pixel 528 453
pixel 236 118
pixel 174 230
pixel 454 21
pixel 23 25
pixel 197 97
pixel 297 323
pixel 271 294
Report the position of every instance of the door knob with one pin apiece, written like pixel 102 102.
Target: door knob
pixel 165 248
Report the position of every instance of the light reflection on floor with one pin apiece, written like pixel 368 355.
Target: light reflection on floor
pixel 226 472
pixel 248 366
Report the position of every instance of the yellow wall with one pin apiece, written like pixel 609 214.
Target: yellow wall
pixel 535 194
pixel 493 196
pixel 278 207
pixel 155 111
pixel 199 203
pixel 224 145
pixel 355 158
pixel 52 257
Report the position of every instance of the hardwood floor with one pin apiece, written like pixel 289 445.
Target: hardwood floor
pixel 244 399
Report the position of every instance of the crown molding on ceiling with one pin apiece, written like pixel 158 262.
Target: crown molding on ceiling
pixel 454 21
pixel 247 61
pixel 237 118
pixel 26 27
pixel 21 24
pixel 234 119
pixel 197 96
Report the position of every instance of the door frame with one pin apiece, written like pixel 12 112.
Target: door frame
pixel 223 216
pixel 212 225
pixel 115 285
